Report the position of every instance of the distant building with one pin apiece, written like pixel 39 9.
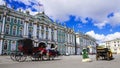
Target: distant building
pixel 85 41
pixel 114 45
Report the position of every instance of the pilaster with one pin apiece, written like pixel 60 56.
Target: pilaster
pixel 35 30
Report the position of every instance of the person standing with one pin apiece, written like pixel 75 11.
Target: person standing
pixel 85 56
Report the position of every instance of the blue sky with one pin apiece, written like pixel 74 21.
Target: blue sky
pixel 99 18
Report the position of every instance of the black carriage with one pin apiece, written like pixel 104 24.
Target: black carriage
pixel 103 53
pixel 27 49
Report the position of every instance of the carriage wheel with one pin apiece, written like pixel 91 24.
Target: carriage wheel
pixel 97 56
pixel 20 57
pixel 45 57
pixel 52 57
pixel 108 56
pixel 12 56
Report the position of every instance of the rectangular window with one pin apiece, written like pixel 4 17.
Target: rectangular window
pixel 20 33
pixel 30 24
pixel 7 29
pixel 21 22
pixel 42 35
pixel 0 27
pixel 14 32
pixel 15 20
pixel 42 27
pixel 0 17
pixel 38 27
pixel 8 18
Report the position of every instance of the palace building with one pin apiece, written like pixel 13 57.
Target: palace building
pixel 15 25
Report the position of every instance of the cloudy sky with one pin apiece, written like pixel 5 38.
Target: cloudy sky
pixel 98 18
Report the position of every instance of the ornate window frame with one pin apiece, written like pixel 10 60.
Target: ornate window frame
pixel 21 22
pixel 30 30
pixel 15 20
pixel 8 19
pixel 7 29
pixel 14 30
pixel 21 31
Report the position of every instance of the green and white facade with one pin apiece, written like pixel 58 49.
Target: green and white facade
pixel 15 25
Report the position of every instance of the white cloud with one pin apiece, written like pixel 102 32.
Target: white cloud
pixel 102 24
pixel 115 20
pixel 101 38
pixel 2 2
pixel 97 10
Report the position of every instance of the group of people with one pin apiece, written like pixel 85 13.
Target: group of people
pixel 48 49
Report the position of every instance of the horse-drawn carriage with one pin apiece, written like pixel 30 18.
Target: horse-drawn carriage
pixel 103 53
pixel 27 49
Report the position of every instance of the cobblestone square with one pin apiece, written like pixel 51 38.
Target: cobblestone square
pixel 74 61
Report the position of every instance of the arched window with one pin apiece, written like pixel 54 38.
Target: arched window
pixel 20 31
pixel 7 29
pixel 14 32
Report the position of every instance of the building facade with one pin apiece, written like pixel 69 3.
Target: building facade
pixel 85 41
pixel 15 25
pixel 114 45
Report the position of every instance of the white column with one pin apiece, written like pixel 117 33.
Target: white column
pixel 25 24
pixel 55 35
pixel 44 32
pixel 27 29
pixel 40 32
pixel 68 38
pixel 49 33
pixel 3 27
pixel 1 43
pixel 35 30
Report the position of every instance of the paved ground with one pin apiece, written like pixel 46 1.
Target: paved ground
pixel 61 62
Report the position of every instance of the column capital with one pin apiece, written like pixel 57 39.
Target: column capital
pixel 26 20
pixel 5 13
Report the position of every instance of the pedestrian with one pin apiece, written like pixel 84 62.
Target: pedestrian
pixel 85 56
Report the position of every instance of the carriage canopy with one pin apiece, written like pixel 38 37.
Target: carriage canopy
pixel 26 43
